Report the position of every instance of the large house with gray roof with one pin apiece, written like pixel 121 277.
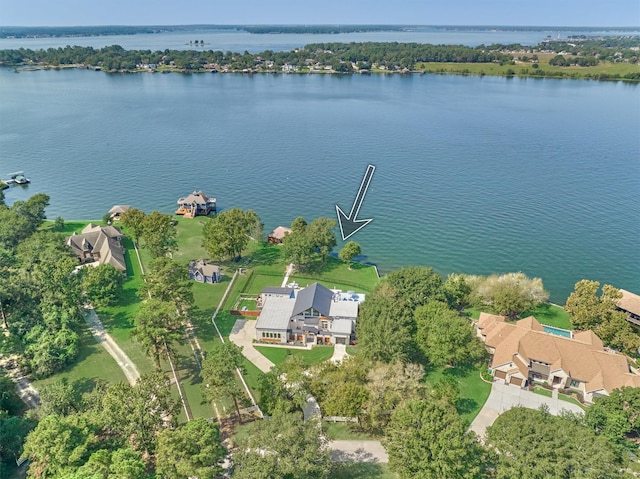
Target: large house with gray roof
pixel 98 245
pixel 314 314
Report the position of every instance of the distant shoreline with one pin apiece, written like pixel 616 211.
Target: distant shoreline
pixel 583 57
pixel 461 69
pixel 110 30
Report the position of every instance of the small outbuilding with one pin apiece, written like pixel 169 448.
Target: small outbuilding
pixel 117 210
pixel 204 272
pixel 278 234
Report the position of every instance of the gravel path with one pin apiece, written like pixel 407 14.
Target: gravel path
pixel 101 336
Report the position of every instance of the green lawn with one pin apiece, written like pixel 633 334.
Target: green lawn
pixel 258 281
pixel 526 69
pixel 249 304
pixel 546 313
pixel 563 397
pixel 335 272
pixel 337 431
pixel 70 227
pixel 252 377
pixel 310 356
pixel 189 239
pixel 93 362
pixel 550 315
pixel 119 319
pixel 473 390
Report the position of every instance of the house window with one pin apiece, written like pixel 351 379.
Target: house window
pixel 574 383
pixel 324 324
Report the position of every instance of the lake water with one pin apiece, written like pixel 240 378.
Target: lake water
pixel 239 41
pixel 476 175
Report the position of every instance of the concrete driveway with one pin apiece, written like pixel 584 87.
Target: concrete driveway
pixel 243 334
pixel 504 397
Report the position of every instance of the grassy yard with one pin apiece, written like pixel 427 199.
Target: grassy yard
pixel 336 273
pixel 189 239
pixel 337 431
pixel 70 227
pixel 119 319
pixel 546 313
pixel 309 356
pixel 526 69
pixel 550 315
pixel 473 390
pixel 252 377
pixel 93 363
pixel 563 397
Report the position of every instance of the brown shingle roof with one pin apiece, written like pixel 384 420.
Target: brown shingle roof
pixel 581 357
pixel 630 302
pixel 197 198
pixel 279 232
pixel 101 243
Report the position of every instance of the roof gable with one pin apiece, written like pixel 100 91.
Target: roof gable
pixel 315 296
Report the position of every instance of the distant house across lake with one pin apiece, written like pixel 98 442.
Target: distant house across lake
pixel 204 272
pixel 196 204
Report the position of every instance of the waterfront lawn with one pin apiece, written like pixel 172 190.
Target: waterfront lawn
pixel 551 315
pixel 473 390
pixel 361 278
pixel 70 227
pixel 93 363
pixel 315 355
pixel 526 69
pixel 189 239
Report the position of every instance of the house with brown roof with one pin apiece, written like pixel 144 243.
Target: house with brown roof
pixel 278 234
pixel 630 304
pixel 196 204
pixel 525 352
pixel 204 272
pixel 99 244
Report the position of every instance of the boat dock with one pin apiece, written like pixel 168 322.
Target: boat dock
pixel 16 178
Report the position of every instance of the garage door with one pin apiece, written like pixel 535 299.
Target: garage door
pixel 500 374
pixel 341 340
pixel 516 381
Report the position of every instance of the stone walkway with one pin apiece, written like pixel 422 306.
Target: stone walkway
pixel 504 397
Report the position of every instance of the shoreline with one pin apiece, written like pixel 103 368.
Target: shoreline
pixel 460 69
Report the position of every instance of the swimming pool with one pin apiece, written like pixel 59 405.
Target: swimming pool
pixel 565 333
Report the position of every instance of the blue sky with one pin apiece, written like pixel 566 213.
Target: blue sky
pixel 424 12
